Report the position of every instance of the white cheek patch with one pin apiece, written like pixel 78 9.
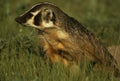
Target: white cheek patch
pixel 47 24
pixel 30 22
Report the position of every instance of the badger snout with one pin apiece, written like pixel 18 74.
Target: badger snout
pixel 20 20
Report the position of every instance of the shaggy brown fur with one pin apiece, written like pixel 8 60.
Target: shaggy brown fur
pixel 65 40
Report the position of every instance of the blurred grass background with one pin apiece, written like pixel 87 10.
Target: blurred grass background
pixel 20 55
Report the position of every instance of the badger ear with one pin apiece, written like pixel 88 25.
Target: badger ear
pixel 48 15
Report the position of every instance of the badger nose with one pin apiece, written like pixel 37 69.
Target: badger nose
pixel 20 20
pixel 17 19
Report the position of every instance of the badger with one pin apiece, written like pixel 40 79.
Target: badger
pixel 64 39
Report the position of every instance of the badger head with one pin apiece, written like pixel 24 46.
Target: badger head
pixel 39 16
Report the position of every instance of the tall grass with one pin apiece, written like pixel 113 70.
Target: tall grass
pixel 22 59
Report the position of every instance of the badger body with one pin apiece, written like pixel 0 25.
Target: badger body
pixel 65 39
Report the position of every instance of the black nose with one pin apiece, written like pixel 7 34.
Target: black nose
pixel 20 20
pixel 17 19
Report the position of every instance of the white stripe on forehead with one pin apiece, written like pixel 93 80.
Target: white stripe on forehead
pixel 35 13
pixel 46 3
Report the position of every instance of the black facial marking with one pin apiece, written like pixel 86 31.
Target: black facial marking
pixel 35 8
pixel 27 16
pixel 53 18
pixel 37 19
pixel 22 19
pixel 48 17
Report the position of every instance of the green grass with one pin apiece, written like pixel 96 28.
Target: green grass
pixel 21 58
